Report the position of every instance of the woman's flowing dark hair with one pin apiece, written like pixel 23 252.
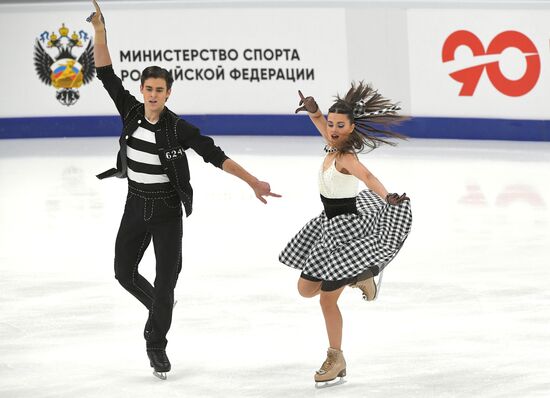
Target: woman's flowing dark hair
pixel 364 105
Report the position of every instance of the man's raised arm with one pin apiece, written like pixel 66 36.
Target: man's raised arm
pixel 112 83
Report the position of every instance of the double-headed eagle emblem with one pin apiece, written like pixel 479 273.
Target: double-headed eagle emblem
pixel 64 71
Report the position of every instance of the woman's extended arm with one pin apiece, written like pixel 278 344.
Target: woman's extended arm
pixel 308 104
pixel 350 162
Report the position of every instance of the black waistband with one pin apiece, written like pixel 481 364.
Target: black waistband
pixel 336 207
pixel 151 191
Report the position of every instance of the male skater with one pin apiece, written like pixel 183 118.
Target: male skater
pixel 152 158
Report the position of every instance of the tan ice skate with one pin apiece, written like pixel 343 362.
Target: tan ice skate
pixel 366 283
pixel 333 367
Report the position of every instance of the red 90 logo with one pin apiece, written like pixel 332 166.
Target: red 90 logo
pixel 469 77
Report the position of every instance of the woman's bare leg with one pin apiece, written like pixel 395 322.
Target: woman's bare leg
pixel 333 317
pixel 308 288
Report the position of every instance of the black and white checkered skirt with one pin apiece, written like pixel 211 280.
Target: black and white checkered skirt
pixel 345 245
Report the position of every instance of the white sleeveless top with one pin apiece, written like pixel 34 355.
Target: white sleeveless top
pixel 336 185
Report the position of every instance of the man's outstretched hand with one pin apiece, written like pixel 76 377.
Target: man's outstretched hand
pixel 261 189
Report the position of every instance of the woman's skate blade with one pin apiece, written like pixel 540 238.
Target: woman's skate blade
pixel 330 383
pixel 160 375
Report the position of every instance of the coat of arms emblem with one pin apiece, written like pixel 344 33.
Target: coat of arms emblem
pixel 64 71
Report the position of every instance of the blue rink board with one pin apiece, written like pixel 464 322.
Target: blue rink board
pixel 417 127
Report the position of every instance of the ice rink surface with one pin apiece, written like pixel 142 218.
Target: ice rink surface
pixel 464 310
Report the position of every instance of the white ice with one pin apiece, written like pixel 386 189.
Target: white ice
pixel 464 309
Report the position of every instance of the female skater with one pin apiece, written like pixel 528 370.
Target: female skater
pixel 358 233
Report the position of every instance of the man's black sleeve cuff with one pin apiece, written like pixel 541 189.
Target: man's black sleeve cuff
pixel 104 71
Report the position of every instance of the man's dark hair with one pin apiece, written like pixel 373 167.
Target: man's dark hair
pixel 157 72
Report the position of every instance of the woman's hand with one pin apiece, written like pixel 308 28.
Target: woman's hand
pixel 307 104
pixel 394 199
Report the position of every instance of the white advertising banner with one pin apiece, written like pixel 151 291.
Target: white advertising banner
pixel 480 63
pixel 225 61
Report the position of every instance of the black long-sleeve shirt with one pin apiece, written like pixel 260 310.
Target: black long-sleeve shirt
pixel 173 136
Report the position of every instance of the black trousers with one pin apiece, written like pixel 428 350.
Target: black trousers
pixel 156 217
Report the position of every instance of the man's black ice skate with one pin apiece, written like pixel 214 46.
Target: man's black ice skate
pixel 160 362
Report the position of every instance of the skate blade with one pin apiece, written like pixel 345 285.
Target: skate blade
pixel 331 383
pixel 160 375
